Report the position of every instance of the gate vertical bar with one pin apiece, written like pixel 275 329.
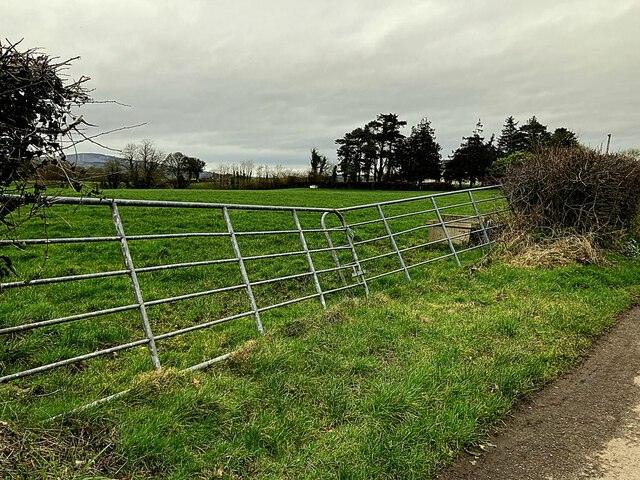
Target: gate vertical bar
pixel 445 231
pixel 133 278
pixel 358 268
pixel 393 242
pixel 312 269
pixel 482 225
pixel 323 222
pixel 243 271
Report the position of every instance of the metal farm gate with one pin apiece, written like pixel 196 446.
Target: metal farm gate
pixel 361 243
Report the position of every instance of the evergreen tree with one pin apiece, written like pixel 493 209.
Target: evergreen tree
pixel 510 140
pixel 349 156
pixel 421 154
pixel 368 152
pixel 387 136
pixel 563 137
pixel 318 165
pixel 534 134
pixel 473 157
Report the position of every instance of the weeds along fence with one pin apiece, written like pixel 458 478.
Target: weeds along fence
pixel 124 274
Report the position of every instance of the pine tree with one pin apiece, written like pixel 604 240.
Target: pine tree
pixel 534 134
pixel 473 157
pixel 421 157
pixel 564 138
pixel 386 132
pixel 510 140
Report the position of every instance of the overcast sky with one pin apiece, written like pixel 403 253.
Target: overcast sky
pixel 266 81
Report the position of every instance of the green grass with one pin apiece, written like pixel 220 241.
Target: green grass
pixel 389 386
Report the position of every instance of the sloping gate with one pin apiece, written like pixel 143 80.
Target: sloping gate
pixel 364 243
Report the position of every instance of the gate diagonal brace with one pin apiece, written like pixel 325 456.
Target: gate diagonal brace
pixel 243 270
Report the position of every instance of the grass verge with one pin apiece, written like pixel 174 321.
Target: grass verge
pixel 390 386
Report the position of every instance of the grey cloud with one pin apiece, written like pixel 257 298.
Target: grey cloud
pixel 266 81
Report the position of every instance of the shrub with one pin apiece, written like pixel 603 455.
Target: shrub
pixel 580 191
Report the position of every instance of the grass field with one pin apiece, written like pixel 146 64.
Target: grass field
pixel 389 386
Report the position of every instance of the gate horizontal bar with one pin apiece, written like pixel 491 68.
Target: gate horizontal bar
pixel 203 325
pixel 46 241
pixel 150 303
pixel 410 199
pixel 51 200
pixel 70 318
pixel 61 363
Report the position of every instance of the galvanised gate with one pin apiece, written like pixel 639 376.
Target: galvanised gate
pixel 356 238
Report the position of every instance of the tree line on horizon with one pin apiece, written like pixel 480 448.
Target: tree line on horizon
pixel 140 165
pixel 378 152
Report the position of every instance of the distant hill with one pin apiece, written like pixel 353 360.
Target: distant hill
pixel 88 159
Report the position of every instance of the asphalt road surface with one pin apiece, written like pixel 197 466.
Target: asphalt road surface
pixel 585 425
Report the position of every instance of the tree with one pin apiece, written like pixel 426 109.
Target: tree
pixel 113 172
pixel 422 154
pixel 130 165
pixel 150 162
pixel 374 148
pixel 534 135
pixel 143 164
pixel 245 171
pixel 37 113
pixel 499 167
pixel 473 157
pixel 563 138
pixel 386 133
pixel 195 167
pixel 318 165
pixel 177 165
pixel 368 151
pixel 349 155
pixel 511 139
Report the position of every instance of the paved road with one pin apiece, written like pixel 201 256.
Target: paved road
pixel 586 425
